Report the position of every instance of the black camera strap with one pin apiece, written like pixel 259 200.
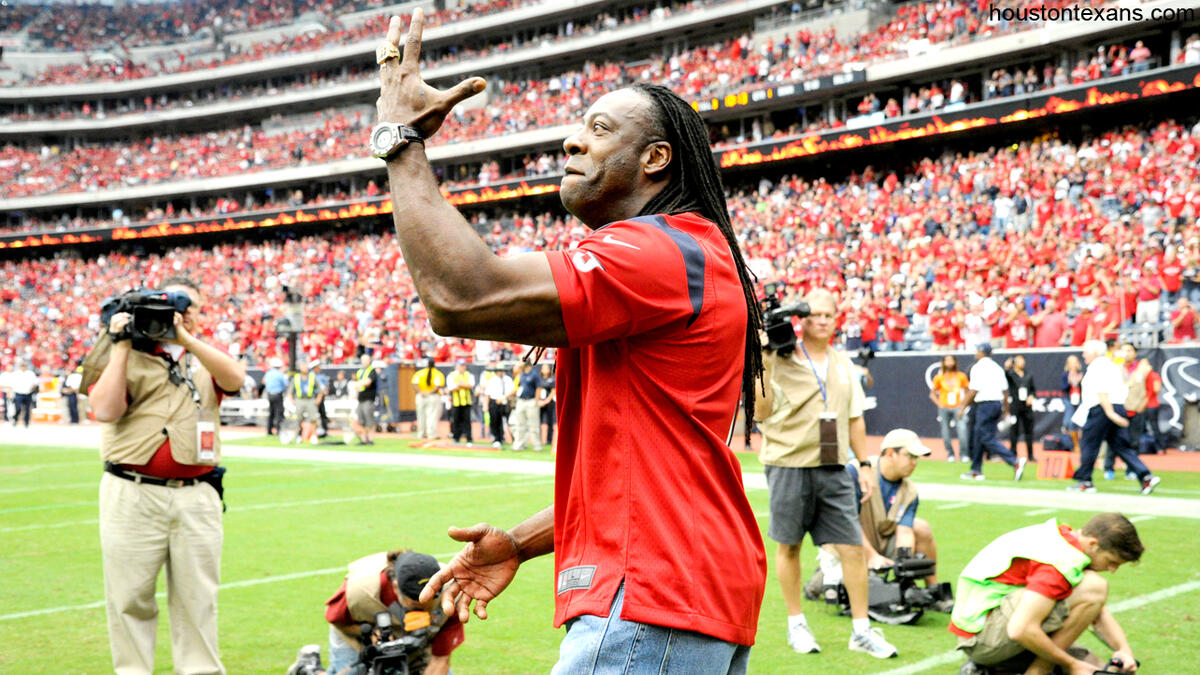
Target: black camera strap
pixel 176 377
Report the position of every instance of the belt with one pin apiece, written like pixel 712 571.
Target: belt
pixel 116 470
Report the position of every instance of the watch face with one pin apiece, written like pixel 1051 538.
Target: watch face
pixel 383 139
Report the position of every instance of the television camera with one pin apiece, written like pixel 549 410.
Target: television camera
pixel 153 314
pixel 777 320
pixel 893 596
pixel 386 652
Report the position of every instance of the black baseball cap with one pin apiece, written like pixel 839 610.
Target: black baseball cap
pixel 412 571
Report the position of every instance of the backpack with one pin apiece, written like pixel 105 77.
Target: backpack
pixel 1135 400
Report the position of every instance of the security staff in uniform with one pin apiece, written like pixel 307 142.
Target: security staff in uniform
pixel 811 418
pixel 462 400
pixel 275 384
pixel 366 382
pixel 428 383
pixel 160 501
pixel 987 389
pixel 70 392
pixel 304 392
pixel 497 387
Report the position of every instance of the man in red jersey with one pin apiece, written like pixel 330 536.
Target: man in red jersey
pixel 658 554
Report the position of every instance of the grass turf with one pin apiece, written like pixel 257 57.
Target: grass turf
pixel 292 527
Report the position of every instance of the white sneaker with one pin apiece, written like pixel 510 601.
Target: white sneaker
pixel 801 640
pixel 308 660
pixel 1019 469
pixel 872 642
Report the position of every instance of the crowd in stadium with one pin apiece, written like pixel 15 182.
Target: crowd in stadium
pixel 235 53
pixel 802 55
pixel 979 242
pixel 86 27
pixel 514 106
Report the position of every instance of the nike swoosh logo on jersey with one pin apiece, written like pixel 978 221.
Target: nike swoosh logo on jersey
pixel 609 239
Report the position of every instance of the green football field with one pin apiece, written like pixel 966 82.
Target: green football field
pixel 293 525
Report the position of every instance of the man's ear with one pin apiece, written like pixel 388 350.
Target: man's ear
pixel 656 157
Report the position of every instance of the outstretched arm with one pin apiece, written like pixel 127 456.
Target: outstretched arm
pixel 488 562
pixel 471 292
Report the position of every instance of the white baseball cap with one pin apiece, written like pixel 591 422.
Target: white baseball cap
pixel 906 440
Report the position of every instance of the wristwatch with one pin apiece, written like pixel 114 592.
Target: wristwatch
pixel 864 463
pixel 388 138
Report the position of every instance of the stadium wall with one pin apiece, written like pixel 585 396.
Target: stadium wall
pixel 900 398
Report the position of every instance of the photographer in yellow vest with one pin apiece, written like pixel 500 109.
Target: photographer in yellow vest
pixel 1027 596
pixel 160 495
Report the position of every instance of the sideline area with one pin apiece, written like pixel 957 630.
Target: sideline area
pixel 995 492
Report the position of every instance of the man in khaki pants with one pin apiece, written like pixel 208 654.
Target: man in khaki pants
pixel 160 495
pixel 428 383
pixel 527 430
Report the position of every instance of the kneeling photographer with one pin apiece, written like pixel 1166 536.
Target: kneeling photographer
pixel 157 389
pixel 811 418
pixel 896 542
pixel 389 583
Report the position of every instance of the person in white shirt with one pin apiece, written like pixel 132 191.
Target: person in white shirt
pixel 1101 413
pixel 496 387
pixel 70 393
pixel 24 384
pixel 987 393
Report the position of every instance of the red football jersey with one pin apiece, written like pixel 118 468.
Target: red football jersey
pixel 646 487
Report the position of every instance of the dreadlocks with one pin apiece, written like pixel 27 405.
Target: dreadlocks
pixel 695 185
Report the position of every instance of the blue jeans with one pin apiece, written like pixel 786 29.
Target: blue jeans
pixel 947 417
pixel 987 414
pixel 596 644
pixel 342 655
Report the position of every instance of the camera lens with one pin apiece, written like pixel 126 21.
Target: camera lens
pixel 151 324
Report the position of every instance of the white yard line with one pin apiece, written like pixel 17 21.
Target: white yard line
pixel 1040 512
pixel 953 505
pixel 1138 519
pixel 224 587
pixel 954 656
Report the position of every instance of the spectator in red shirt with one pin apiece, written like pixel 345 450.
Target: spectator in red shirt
pixel 894 327
pixel 1149 290
pixel 1183 322
pixel 1080 327
pixel 1049 326
pixel 1104 321
pixel 941 328
pixel 661 280
pixel 1018 327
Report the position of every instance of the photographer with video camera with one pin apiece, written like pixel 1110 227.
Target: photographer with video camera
pixel 892 532
pixel 156 389
pixel 811 418
pixel 390 582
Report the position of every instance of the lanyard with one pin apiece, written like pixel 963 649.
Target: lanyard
pixel 820 383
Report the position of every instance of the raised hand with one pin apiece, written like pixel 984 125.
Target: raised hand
pixel 480 572
pixel 403 96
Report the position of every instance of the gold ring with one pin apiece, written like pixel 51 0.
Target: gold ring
pixel 385 51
